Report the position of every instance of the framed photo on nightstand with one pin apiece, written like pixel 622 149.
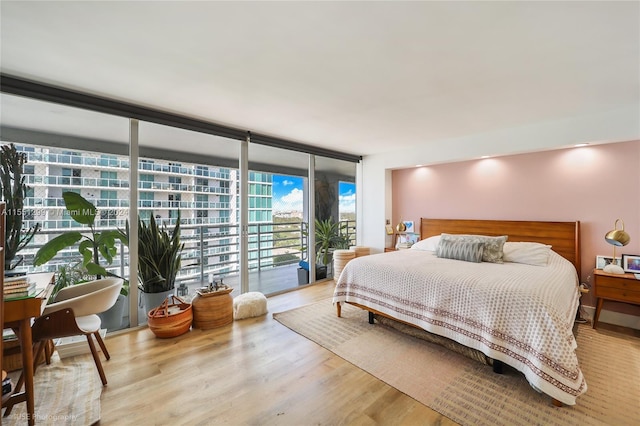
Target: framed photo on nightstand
pixel 631 263
pixel 409 224
pixel 602 261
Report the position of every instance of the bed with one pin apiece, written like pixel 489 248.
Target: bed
pixel 518 309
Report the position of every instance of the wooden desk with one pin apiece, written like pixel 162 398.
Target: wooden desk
pixel 17 314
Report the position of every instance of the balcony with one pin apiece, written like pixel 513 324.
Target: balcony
pixel 274 253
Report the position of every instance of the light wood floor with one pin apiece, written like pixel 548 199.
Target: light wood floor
pixel 253 372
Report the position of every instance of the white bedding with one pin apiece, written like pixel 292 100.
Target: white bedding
pixel 520 314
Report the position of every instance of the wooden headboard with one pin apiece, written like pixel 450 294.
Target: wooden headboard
pixel 564 237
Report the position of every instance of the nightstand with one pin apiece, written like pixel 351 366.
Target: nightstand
pixel 618 287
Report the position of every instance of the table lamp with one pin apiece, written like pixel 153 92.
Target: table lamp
pixel 617 238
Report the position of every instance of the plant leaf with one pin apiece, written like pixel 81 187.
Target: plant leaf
pixel 51 248
pixel 80 210
pixel 94 269
pixel 86 250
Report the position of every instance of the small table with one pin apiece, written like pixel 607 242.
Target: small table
pixel 17 314
pixel 617 287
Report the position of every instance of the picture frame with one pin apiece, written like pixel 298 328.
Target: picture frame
pixel 602 261
pixel 409 224
pixel 407 239
pixel 631 263
pixel 412 237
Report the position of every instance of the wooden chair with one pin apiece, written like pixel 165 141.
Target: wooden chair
pixel 74 313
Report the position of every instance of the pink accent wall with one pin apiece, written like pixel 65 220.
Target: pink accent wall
pixel 594 184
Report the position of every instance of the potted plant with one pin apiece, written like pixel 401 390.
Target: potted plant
pixel 159 260
pixel 328 238
pixel 13 193
pixel 94 247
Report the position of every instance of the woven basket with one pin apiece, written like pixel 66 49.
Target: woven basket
pixel 340 259
pixel 170 319
pixel 211 310
pixel 361 250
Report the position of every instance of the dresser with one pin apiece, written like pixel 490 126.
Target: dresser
pixel 617 287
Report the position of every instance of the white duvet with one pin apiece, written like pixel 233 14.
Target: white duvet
pixel 520 314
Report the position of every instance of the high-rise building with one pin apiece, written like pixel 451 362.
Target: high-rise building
pixel 205 197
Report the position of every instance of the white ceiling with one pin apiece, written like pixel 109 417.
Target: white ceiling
pixel 357 77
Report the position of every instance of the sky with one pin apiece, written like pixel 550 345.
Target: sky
pixel 288 192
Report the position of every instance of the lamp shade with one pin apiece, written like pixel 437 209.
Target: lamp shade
pixel 401 227
pixel 617 237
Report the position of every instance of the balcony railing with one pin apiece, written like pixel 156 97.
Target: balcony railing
pixel 123 163
pixel 209 249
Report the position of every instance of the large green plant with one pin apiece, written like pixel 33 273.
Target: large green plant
pixel 159 255
pixel 328 236
pixel 93 247
pixel 14 191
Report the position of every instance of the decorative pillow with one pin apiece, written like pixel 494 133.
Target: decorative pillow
pixel 469 251
pixel 492 251
pixel 529 253
pixel 429 244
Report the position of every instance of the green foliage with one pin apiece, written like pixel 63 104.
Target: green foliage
pixel 328 236
pixel 14 190
pixel 159 255
pixel 68 275
pixel 92 248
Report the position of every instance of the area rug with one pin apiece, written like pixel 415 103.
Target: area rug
pixel 468 391
pixel 66 392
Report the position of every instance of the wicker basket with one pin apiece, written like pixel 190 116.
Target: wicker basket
pixel 170 319
pixel 213 309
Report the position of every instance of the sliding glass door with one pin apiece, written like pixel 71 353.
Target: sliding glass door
pixel 334 209
pixel 193 178
pixel 277 218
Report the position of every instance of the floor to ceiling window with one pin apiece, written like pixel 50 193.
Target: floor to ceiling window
pixel 68 150
pixel 190 175
pixel 332 177
pixel 277 213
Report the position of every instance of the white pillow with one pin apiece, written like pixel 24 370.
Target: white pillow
pixel 428 244
pixel 529 253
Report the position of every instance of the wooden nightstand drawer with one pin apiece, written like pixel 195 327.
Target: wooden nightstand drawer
pixel 618 294
pixel 615 282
